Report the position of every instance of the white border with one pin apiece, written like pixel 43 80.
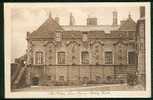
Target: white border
pixel 111 94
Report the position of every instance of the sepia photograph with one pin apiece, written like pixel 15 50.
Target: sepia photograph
pixel 77 50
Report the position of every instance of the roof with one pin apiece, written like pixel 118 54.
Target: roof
pixel 47 29
pixel 92 34
pixel 105 28
pixel 128 25
pixel 50 26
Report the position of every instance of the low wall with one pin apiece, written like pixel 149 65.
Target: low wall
pixel 74 73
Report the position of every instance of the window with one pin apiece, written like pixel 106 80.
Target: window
pixel 85 57
pixel 61 78
pixel 131 58
pixel 85 38
pixel 108 57
pixel 39 57
pixel 131 36
pixel 58 36
pixel 61 57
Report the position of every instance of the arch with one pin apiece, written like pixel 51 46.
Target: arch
pixel 97 42
pixel 74 42
pixel 120 42
pixel 50 42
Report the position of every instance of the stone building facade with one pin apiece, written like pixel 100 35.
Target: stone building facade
pixel 141 46
pixel 74 54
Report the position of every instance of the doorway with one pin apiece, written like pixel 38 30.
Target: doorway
pixel 35 81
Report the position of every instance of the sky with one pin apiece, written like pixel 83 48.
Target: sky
pixel 28 18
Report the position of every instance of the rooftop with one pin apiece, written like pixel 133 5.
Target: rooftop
pixel 105 28
pixel 50 26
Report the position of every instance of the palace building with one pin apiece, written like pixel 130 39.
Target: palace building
pixel 77 54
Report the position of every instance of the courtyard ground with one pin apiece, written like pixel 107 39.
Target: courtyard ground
pixel 99 87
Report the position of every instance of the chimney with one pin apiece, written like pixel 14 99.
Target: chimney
pixel 142 11
pixel 57 20
pixel 28 35
pixel 72 20
pixel 114 18
pixel 50 14
pixel 129 16
pixel 91 21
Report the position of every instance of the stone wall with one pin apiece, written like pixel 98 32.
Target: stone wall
pixel 73 74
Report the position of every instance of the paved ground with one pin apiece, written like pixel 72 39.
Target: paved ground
pixel 101 87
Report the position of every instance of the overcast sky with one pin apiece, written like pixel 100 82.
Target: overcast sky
pixel 29 18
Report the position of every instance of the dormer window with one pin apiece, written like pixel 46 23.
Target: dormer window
pixel 58 36
pixel 85 38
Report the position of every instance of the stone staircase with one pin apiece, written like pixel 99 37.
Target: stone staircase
pixel 132 69
pixel 19 77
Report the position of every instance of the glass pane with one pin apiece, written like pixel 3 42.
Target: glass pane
pixel 61 58
pixel 108 58
pixel 85 58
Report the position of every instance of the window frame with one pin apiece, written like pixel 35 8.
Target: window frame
pixel 85 58
pixel 85 36
pixel 106 62
pixel 131 57
pixel 58 36
pixel 58 58
pixel 39 57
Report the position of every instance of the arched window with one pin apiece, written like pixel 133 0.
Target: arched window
pixel 39 57
pixel 85 57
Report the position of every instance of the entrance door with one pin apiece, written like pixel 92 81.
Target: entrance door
pixel 35 81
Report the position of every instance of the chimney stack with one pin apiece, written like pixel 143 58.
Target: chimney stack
pixel 142 11
pixel 114 17
pixel 91 21
pixel 50 14
pixel 72 20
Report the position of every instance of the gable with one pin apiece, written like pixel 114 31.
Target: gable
pixel 47 29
